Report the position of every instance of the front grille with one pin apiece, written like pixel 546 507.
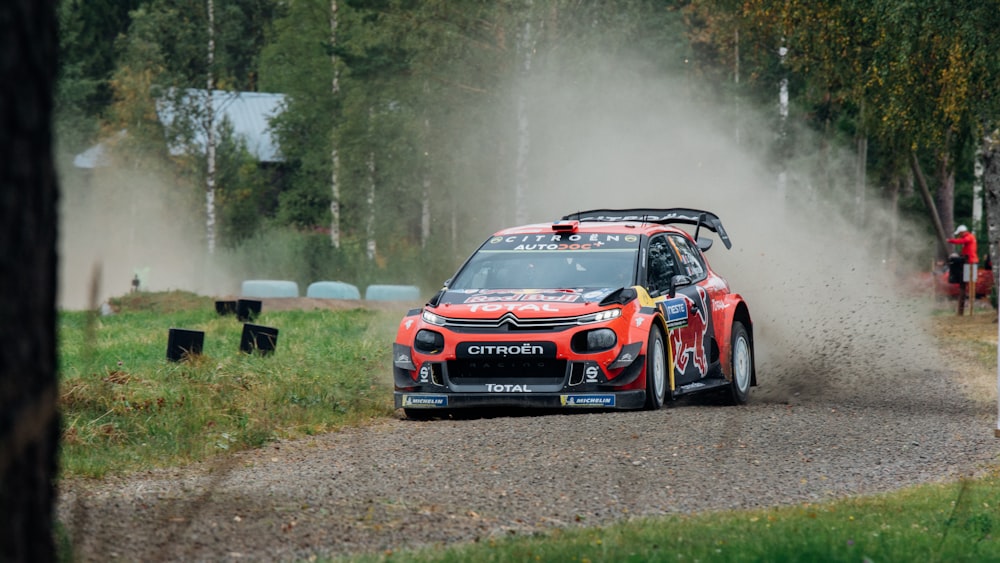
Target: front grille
pixel 511 323
pixel 489 370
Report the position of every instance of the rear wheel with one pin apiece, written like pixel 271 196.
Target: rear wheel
pixel 740 364
pixel 656 370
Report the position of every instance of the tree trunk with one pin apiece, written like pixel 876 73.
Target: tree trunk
pixel 944 173
pixel 425 204
pixel 977 192
pixel 425 171
pixel 892 201
pixel 782 126
pixel 29 418
pixel 925 194
pixel 210 133
pixel 525 50
pixel 861 178
pixel 370 208
pixel 334 154
pixel 736 81
pixel 991 198
pixel 370 196
pixel 945 176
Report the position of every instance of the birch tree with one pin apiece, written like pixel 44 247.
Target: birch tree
pixel 526 40
pixel 210 146
pixel 991 198
pixel 334 153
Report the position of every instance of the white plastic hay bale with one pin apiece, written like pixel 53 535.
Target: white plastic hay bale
pixel 333 290
pixel 392 293
pixel 269 288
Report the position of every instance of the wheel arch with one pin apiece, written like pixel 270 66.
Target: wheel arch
pixel 661 323
pixel 737 313
pixel 656 320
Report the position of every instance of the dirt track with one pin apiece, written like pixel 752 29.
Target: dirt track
pixel 399 483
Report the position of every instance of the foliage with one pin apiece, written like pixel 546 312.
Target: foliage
pixel 297 63
pixel 87 61
pixel 423 115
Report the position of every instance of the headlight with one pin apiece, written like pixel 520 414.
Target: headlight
pixel 428 341
pixel 431 318
pixel 600 316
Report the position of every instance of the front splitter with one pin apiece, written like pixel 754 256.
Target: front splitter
pixel 625 400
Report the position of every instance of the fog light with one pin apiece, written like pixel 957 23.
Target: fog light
pixel 601 339
pixel 428 341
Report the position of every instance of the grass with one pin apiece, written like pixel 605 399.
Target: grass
pixel 126 408
pixel 953 522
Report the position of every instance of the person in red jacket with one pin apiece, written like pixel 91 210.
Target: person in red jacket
pixel 965 238
pixel 968 242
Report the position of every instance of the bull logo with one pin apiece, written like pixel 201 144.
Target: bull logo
pixel 692 352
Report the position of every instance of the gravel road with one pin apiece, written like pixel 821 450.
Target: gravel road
pixel 400 483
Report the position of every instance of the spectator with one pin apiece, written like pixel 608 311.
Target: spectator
pixel 963 237
pixel 967 240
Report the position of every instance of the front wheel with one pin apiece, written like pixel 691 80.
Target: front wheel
pixel 656 370
pixel 740 364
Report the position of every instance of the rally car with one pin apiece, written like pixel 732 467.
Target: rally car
pixel 602 309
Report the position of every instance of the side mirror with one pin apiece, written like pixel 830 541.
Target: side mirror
pixel 704 243
pixel 679 280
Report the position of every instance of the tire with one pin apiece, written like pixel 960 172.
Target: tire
pixel 740 364
pixel 656 371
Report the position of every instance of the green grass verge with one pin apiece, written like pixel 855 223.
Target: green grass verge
pixel 954 522
pixel 125 407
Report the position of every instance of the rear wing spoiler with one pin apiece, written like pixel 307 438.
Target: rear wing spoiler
pixel 684 216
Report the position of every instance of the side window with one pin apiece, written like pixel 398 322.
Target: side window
pixel 692 263
pixel 661 265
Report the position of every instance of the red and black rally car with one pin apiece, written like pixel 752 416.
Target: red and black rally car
pixel 606 309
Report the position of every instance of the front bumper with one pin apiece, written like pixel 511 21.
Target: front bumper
pixel 542 383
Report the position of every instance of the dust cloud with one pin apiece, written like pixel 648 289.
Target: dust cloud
pixel 823 292
pixel 118 224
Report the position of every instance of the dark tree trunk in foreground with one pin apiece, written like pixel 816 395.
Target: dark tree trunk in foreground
pixel 29 421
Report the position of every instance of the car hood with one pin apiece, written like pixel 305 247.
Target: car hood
pixel 525 303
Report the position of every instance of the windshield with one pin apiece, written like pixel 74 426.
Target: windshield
pixel 560 269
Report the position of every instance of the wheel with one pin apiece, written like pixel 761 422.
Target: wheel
pixel 656 370
pixel 740 364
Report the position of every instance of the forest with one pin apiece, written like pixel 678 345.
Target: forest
pixel 407 131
